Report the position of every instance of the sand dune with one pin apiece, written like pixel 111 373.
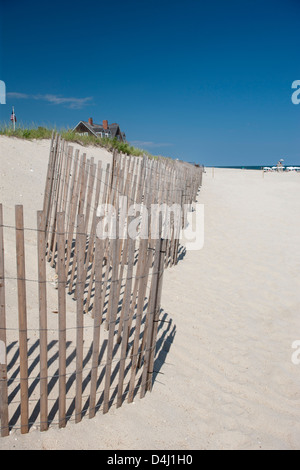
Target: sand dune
pixel 226 381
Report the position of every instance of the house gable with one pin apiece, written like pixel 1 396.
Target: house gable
pixel 84 128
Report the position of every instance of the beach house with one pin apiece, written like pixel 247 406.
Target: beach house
pixel 111 131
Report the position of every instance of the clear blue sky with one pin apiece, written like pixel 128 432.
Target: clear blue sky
pixel 208 82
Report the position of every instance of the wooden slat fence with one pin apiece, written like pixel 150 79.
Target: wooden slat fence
pixel 98 345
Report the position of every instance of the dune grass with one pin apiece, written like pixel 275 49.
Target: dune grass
pixel 40 132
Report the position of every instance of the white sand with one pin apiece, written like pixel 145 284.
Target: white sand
pixel 227 381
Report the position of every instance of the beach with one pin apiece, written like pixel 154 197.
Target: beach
pixel 225 377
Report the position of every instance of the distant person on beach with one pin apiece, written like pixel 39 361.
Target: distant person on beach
pixel 279 166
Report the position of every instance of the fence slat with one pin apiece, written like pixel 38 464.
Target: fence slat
pixel 47 190
pixel 73 184
pixel 112 315
pixel 20 252
pixel 58 191
pixel 90 189
pixel 91 242
pixel 86 167
pixel 69 154
pixel 150 316
pixel 94 217
pixel 41 245
pixel 48 198
pixel 99 253
pixel 126 305
pixel 62 342
pixel 72 221
pixel 3 358
pixel 81 237
pixel 156 314
pixel 147 254
pixel 82 186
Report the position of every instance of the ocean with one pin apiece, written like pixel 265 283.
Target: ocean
pixel 251 167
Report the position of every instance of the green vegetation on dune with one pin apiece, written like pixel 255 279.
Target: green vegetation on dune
pixel 70 136
pixel 26 133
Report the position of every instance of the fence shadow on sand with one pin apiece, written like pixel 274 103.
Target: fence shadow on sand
pixel 165 337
